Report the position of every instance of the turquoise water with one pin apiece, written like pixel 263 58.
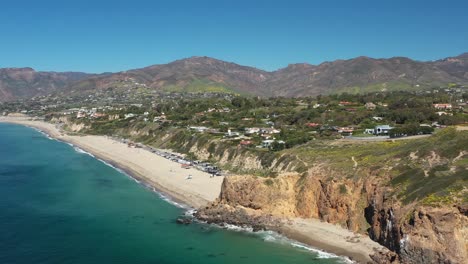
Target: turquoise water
pixel 58 205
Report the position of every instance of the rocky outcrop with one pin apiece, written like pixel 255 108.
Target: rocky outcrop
pixel 416 234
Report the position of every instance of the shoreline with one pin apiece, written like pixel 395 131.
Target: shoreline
pixel 165 176
pixel 311 232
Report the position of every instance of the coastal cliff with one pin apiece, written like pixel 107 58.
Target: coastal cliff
pixel 409 196
pixel 420 234
pixel 419 212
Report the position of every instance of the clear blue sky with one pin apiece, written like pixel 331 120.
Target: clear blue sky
pixel 99 36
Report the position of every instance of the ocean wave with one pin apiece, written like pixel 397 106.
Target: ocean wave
pixel 117 169
pixel 43 133
pixel 81 151
pixel 271 236
pixel 274 237
pixel 169 200
pixel 190 212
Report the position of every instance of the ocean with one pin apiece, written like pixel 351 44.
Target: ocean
pixel 59 204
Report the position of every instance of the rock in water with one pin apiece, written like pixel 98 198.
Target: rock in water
pixel 183 221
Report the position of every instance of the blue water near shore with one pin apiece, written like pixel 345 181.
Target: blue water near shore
pixel 60 205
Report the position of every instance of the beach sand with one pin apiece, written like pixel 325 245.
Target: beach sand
pixel 165 175
pixel 168 176
pixel 332 238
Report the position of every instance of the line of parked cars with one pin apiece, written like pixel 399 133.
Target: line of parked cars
pixel 185 163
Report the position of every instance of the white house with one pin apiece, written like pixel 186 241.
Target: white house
pixel 252 130
pixel 382 130
pixel 198 128
pixel 129 115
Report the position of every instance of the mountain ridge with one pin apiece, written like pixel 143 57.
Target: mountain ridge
pixel 360 74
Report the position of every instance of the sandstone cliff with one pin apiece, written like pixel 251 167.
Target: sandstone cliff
pixel 418 234
pixel 414 202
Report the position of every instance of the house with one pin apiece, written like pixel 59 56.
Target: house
pixel 442 106
pixel 312 124
pixel 343 103
pixel 160 118
pixel 441 113
pixel 98 115
pixel 129 115
pixel 252 130
pixel 269 130
pixel 370 106
pixel 231 133
pixel 316 106
pixel 369 131
pixel 81 114
pixel 198 128
pixel 267 143
pixel 345 131
pixel 245 143
pixel 382 130
pixel 377 118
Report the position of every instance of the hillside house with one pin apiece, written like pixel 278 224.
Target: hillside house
pixel 443 106
pixel 343 103
pixel 382 130
pixel 269 130
pixel 81 114
pixel 252 130
pixel 370 106
pixel 312 125
pixel 232 133
pixel 245 143
pixel 345 131
pixel 200 129
pixel 129 115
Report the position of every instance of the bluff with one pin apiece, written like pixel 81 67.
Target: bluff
pixel 414 201
pixel 410 196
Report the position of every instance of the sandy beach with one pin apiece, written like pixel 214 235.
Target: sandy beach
pixel 168 176
pixel 332 238
pixel 165 175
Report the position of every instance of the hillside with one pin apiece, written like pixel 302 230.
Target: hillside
pixel 203 74
pixel 16 83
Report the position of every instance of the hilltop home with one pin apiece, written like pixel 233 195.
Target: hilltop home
pixel 382 130
pixel 129 115
pixel 231 133
pixel 442 106
pixel 269 130
pixel 345 131
pixel 370 106
pixel 252 130
pixel 198 128
pixel 312 124
pixel 343 103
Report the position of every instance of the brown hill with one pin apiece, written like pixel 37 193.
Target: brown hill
pixel 18 83
pixel 200 74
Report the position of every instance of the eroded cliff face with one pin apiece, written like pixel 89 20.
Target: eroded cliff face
pixel 69 125
pixel 418 234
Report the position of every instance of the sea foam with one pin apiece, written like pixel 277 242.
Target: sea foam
pixel 274 237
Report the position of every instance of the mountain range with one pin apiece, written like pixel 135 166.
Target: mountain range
pixel 204 74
